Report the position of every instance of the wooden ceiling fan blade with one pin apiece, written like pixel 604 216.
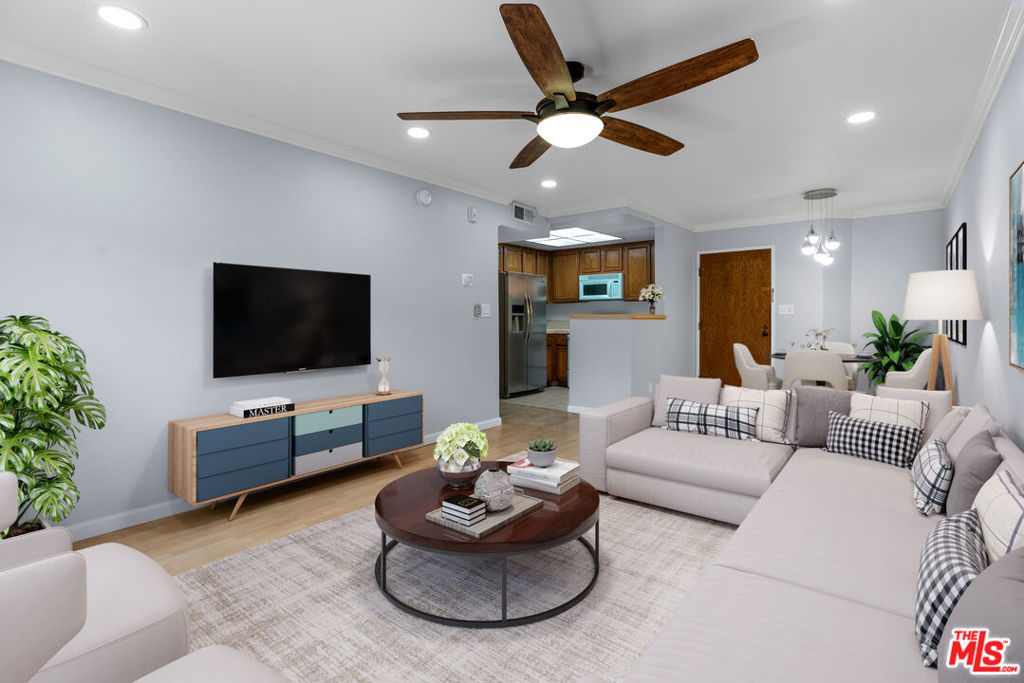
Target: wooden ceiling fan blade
pixel 464 115
pixel 639 137
pixel 682 76
pixel 538 49
pixel 529 154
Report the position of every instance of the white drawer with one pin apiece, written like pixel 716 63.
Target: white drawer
pixel 311 462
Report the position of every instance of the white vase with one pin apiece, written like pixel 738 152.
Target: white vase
pixel 383 384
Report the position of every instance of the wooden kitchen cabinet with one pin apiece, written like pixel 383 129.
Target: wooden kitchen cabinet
pixel 638 271
pixel 558 360
pixel 590 260
pixel 611 259
pixel 512 258
pixel 564 283
pixel 543 264
pixel 530 262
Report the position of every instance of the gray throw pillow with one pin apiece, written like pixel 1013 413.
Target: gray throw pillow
pixel 978 461
pixel 994 600
pixel 812 407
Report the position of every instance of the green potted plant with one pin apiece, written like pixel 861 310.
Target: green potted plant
pixel 458 452
pixel 46 396
pixel 542 452
pixel 895 347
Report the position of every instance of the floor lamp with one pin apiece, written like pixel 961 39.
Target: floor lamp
pixel 942 295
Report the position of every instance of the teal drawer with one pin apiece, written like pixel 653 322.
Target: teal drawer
pixel 210 464
pixel 393 425
pixel 328 419
pixel 224 438
pixel 239 480
pixel 400 406
pixel 393 442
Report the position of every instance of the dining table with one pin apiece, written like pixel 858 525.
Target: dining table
pixel 845 357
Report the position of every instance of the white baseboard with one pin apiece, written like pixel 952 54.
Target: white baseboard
pixel 577 409
pixel 122 520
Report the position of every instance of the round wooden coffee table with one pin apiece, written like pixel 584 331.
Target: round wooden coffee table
pixel 401 508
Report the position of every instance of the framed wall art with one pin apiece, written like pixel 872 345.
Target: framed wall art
pixel 956 259
pixel 1016 271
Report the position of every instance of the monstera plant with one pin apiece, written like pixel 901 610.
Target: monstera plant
pixel 895 347
pixel 46 397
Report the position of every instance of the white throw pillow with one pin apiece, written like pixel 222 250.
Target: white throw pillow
pixel 949 424
pixel 773 410
pixel 891 411
pixel 978 420
pixel 1000 505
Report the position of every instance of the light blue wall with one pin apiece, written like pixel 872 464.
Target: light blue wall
pixel 981 198
pixel 112 212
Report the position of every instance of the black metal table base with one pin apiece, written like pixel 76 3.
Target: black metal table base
pixel 381 575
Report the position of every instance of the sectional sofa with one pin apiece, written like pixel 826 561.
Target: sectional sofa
pixel 819 580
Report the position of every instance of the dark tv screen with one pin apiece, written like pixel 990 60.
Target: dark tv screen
pixel 281 319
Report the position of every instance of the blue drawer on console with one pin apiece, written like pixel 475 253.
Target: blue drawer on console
pixel 400 406
pixel 210 464
pixel 393 442
pixel 239 480
pixel 332 438
pixel 243 435
pixel 393 425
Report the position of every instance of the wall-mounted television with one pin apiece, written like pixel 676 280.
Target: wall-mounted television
pixel 282 320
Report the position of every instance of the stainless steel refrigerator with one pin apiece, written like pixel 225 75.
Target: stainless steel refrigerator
pixel 523 334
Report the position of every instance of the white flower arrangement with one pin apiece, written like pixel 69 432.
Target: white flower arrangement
pixel 652 292
pixel 461 443
pixel 817 339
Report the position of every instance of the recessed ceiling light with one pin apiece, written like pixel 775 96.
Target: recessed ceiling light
pixel 121 17
pixel 860 117
pixel 418 132
pixel 549 184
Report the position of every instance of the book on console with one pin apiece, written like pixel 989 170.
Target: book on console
pixel 463 503
pixel 560 471
pixel 464 515
pixel 557 489
pixel 261 411
pixel 465 521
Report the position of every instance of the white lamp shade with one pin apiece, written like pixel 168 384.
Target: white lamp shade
pixel 942 295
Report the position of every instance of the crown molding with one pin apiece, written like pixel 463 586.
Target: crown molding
pixel 1002 57
pixel 620 203
pixel 103 79
pixel 752 222
pixel 896 209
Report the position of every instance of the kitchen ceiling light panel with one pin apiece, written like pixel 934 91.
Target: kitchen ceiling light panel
pixel 571 232
pixel 597 237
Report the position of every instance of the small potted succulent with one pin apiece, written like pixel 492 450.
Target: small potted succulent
pixel 458 452
pixel 542 452
pixel 652 293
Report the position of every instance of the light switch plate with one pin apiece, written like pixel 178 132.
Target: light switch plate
pixel 482 310
pixel 468 280
pixel 471 214
pixel 785 309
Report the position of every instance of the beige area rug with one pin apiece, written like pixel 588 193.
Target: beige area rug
pixel 307 604
pixel 552 398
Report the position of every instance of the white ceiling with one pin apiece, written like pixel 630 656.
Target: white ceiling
pixel 331 76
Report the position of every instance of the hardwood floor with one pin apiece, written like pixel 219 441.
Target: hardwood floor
pixel 192 539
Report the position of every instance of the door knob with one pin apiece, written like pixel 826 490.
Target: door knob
pixel 764 331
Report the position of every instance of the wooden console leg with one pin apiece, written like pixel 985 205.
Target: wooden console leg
pixel 238 504
pixel 398 461
pixel 213 505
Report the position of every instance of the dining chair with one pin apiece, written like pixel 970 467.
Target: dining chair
pixel 752 374
pixel 815 366
pixel 852 369
pixel 914 378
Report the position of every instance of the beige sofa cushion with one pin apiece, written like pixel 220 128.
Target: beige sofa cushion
pixel 939 404
pixel 892 411
pixel 774 407
pixel 698 389
pixel 746 467
pixel 977 420
pixel 735 626
pixel 214 664
pixel 840 525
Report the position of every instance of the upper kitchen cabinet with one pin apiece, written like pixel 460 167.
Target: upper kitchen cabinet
pixel 530 262
pixel 590 260
pixel 564 283
pixel 639 269
pixel 611 259
pixel 543 263
pixel 511 258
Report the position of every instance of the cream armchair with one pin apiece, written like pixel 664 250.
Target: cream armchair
pixel 815 366
pixel 752 374
pixel 914 378
pixel 107 613
pixel 852 369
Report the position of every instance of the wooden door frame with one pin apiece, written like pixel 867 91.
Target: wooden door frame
pixel 696 289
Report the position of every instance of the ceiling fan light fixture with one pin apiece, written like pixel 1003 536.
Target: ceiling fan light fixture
pixel 570 129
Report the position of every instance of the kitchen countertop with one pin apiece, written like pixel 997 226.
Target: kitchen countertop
pixel 558 327
pixel 616 316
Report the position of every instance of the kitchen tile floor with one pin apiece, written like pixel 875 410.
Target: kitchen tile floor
pixel 551 398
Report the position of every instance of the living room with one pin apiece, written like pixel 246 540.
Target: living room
pixel 142 148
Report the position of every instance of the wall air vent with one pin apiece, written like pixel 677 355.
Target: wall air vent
pixel 524 213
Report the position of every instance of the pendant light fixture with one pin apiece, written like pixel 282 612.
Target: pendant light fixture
pixel 819 210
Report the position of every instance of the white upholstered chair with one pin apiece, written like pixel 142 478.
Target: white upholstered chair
pixel 852 369
pixel 752 374
pixel 914 378
pixel 104 614
pixel 815 366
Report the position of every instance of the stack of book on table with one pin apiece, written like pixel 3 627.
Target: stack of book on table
pixel 560 477
pixel 465 510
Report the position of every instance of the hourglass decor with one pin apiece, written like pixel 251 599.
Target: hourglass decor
pixel 383 384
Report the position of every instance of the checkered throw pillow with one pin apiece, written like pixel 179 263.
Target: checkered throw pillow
pixel 932 473
pixel 952 556
pixel 732 422
pixel 888 443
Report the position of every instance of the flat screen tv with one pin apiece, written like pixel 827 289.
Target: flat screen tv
pixel 281 320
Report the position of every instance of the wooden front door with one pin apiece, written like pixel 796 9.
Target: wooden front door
pixel 735 306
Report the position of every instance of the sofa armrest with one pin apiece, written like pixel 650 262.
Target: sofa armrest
pixel 33 546
pixel 601 427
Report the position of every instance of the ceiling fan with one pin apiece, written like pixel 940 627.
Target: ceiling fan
pixel 569 118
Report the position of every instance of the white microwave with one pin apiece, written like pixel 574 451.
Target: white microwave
pixel 601 286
